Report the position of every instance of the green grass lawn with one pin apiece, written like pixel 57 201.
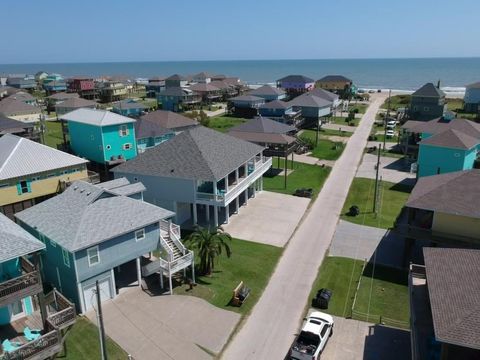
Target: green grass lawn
pixel 303 176
pixel 326 149
pixel 380 137
pixel 82 343
pixel 383 295
pixel 454 104
pixel 340 120
pixel 53 133
pixel 225 123
pixel 397 101
pixel 389 290
pixel 250 262
pixel 392 197
pixel 360 107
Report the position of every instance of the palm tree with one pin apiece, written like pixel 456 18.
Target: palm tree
pixel 209 244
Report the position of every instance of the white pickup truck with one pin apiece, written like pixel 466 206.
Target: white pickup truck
pixel 311 341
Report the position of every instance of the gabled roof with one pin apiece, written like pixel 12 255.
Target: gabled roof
pixel 63 96
pixel 148 128
pixel 23 96
pixel 12 106
pixel 455 193
pixel 452 139
pixel 454 293
pixel 267 90
pixel 96 117
pixel 276 104
pixel 8 125
pixel 20 157
pixel 85 215
pixel 296 78
pixel 168 119
pixel 263 125
pixel 15 241
pixel 324 94
pixel 475 85
pixel 429 90
pixel 246 98
pixel 334 78
pixel 198 153
pixel 309 100
pixel 176 77
pixel 203 87
pixel 128 104
pixel 75 102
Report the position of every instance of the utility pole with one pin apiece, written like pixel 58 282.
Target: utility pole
pixel 318 130
pixel 103 347
pixel 376 179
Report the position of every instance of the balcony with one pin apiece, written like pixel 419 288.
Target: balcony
pixel 223 198
pixel 426 234
pixel 60 314
pixel 27 284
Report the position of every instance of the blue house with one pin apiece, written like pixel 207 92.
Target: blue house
pixel 23 302
pixel 101 136
pixel 281 111
pixel 54 83
pixel 104 232
pixel 269 93
pixel 178 99
pixel 472 98
pixel 128 107
pixel 22 82
pixel 150 133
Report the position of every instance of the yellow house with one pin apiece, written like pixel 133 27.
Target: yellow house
pixel 444 209
pixel 334 83
pixel 31 172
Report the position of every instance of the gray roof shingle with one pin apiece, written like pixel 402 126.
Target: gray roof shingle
pixel 309 100
pixel 454 293
pixel 267 90
pixel 197 153
pixel 452 139
pixel 168 119
pixel 276 104
pixel 8 125
pixel 429 90
pixel 15 241
pixel 296 78
pixel 263 125
pixel 12 106
pixel 334 78
pixel 85 215
pixel 324 94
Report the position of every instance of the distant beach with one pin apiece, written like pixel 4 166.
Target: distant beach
pixel 396 74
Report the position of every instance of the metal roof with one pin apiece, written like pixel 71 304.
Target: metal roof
pixel 15 241
pixel 20 157
pixel 96 117
pixel 85 215
pixel 198 153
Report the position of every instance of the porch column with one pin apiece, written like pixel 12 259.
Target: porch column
pixel 193 269
pixel 236 175
pixel 227 213
pixel 226 183
pixel 215 215
pixel 114 284
pixel 215 188
pixel 246 196
pixel 81 298
pixel 194 210
pixel 254 188
pixel 161 279
pixel 170 279
pixel 261 184
pixel 246 169
pixel 237 204
pixel 207 207
pixel 139 272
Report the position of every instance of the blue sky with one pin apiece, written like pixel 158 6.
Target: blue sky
pixel 106 30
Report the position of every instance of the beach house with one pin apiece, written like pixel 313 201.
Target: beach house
pixel 101 136
pixel 207 91
pixel 269 93
pixel 175 81
pixel 443 305
pixel 31 322
pixel 15 127
pixel 178 99
pixel 25 97
pixel 31 172
pixel 338 84
pixel 202 175
pixel 327 95
pixel 245 105
pixel 103 232
pixel 281 111
pixel 169 120
pixel 427 103
pixel 313 108
pixel 22 82
pixel 72 104
pixel 295 84
pixel 150 133
pixel 128 107
pixel 83 86
pixel 18 110
pixel 54 83
pixel 471 99
pixel 112 90
pixel 202 77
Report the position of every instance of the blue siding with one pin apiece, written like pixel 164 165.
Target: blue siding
pixel 112 138
pixel 433 160
pixel 86 141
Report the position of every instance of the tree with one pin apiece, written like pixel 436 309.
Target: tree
pixel 204 119
pixel 208 245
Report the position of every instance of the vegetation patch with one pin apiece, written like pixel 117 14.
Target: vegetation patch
pixel 325 149
pixel 397 101
pixel 224 123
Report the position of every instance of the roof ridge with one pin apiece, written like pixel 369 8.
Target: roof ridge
pixel 11 152
pixel 205 158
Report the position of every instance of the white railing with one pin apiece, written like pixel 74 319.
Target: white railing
pixel 209 196
pixel 168 266
pixel 166 246
pixel 175 237
pixel 181 263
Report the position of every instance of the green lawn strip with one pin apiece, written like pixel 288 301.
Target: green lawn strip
pixel 454 104
pixel 379 138
pixel 362 108
pixel 250 262
pixel 340 275
pixel 392 199
pixel 397 101
pixel 302 176
pixel 53 133
pixel 383 296
pixel 82 343
pixel 340 120
pixel 225 123
pixel 326 149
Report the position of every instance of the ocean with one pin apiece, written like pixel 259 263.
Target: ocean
pixel 395 74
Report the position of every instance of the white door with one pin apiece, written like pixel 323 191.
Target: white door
pixel 89 297
pixel 17 310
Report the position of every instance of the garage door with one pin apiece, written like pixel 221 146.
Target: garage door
pixel 89 296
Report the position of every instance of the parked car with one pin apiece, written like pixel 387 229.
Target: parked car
pixel 322 298
pixel 311 341
pixel 391 123
pixel 390 133
pixel 304 192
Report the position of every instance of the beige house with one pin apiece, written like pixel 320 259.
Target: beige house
pixel 18 110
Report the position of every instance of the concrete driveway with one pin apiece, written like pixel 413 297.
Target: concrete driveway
pixel 391 169
pixel 270 218
pixel 354 340
pixel 166 327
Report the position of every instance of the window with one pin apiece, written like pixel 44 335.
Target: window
pixel 23 187
pixel 92 137
pixel 108 147
pixel 123 130
pixel 127 146
pixel 66 257
pixel 93 256
pixel 140 234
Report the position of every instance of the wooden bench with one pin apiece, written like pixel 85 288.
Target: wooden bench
pixel 240 294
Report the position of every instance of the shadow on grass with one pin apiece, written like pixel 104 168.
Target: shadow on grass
pixel 404 186
pixel 386 273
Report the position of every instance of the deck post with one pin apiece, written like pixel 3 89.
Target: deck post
pixel 246 196
pixel 161 279
pixel 139 272
pixel 193 269
pixel 227 213
pixel 170 279
pixel 261 183
pixel 207 207
pixel 237 204
pixel 215 215
pixel 194 210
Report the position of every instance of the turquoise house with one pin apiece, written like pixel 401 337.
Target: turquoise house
pixel 17 247
pixel 447 151
pixel 150 134
pixel 128 107
pixel 54 83
pixel 101 136
pixel 103 232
